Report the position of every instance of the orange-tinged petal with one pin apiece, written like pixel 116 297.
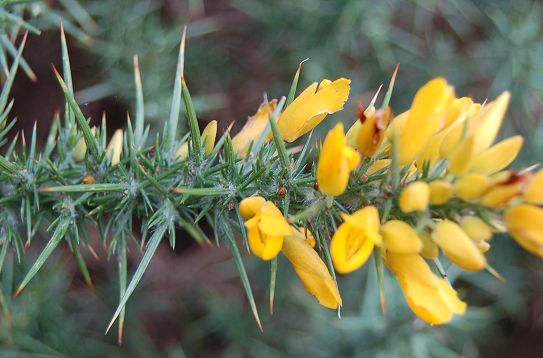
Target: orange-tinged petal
pixel 498 156
pixel 534 191
pixel 426 113
pixel 253 128
pixel 311 107
pixel 457 246
pixel 312 271
pixel 414 197
pixel 400 238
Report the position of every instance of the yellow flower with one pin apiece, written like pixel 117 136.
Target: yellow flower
pixel 431 298
pixel 471 186
pixel 266 226
pixel 400 238
pixel 462 157
pixel 372 131
pixel 415 197
pixel 209 134
pixel 476 228
pixel 534 191
pixel 525 223
pixel 305 234
pixel 115 147
pixel 312 271
pixel 253 128
pixel 336 162
pixel 497 157
pixel 440 192
pixel 457 246
pixel 378 165
pixel 426 114
pixel 312 106
pixel 355 238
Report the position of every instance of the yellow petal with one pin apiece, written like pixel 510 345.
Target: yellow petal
pixel 253 128
pixel 440 192
pixel 372 132
pixel 534 192
pixel 429 297
pixel 366 220
pixel 497 157
pixel 476 228
pixel 378 165
pixel 457 246
pixel 250 206
pixel 415 197
pixel 457 108
pixel 462 157
pixel 487 122
pixel 525 223
pixel 336 161
pixel 427 110
pixel 312 271
pixel 352 133
pixel 272 221
pixel 264 246
pixel 115 147
pixel 500 195
pixel 471 186
pixel 182 152
pixel 311 107
pixel 400 238
pixel 80 148
pixel 209 134
pixel 430 250
pixel 350 248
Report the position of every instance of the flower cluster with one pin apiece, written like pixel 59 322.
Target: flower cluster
pixel 410 187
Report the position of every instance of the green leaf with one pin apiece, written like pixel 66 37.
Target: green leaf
pixel 279 144
pixel 152 245
pixel 85 188
pixel 294 85
pixel 11 77
pixel 273 276
pixel 193 124
pixel 139 139
pixel 59 233
pixel 230 242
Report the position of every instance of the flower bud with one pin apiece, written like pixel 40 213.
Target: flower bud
pixel 471 186
pixel 440 192
pixel 476 228
pixel 415 197
pixel 534 192
pixel 115 147
pixel 400 238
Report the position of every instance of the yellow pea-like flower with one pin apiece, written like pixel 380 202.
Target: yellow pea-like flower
pixel 208 136
pixel 266 227
pixel 476 228
pixel 497 157
pixel 525 223
pixel 115 147
pixel 415 197
pixel 372 131
pixel 441 192
pixel 534 191
pixel 355 239
pixel 400 238
pixel 312 106
pixel 457 246
pixel 312 271
pixel 336 162
pixel 431 298
pixel 500 194
pixel 430 250
pixel 471 186
pixel 253 128
pixel 456 109
pixel 426 113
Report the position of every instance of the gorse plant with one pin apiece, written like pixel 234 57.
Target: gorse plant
pixel 411 189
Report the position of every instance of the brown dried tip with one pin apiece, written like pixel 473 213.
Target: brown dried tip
pixel 360 112
pixel 282 192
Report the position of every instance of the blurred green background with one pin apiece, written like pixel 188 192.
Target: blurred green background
pixel 191 301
